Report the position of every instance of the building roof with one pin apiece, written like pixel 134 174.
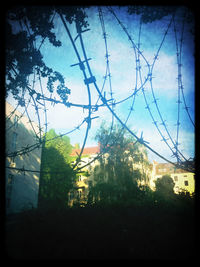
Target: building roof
pixel 90 150
pixel 87 151
pixel 166 168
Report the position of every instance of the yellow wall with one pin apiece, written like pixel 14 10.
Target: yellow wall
pixel 179 180
pixel 182 178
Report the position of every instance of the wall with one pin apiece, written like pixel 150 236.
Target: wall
pixel 179 177
pixel 21 187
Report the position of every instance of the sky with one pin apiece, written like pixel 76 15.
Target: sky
pixel 122 63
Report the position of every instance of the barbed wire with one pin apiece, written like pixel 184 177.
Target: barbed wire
pixel 89 79
pixel 137 68
pixel 155 101
pixel 179 78
pixel 150 77
pixel 140 140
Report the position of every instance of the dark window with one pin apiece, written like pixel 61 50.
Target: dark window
pixel 14 140
pixel 186 183
pixel 9 189
pixel 10 179
pixel 16 118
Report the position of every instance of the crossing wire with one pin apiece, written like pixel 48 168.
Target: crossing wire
pixel 45 110
pixel 179 64
pixel 30 148
pixel 108 74
pixel 178 101
pixel 105 102
pixel 176 154
pixel 103 99
pixel 136 78
pixel 107 53
pixel 150 80
pixel 82 67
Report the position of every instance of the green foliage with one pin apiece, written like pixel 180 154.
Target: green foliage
pixel 26 25
pixel 152 13
pixel 77 146
pixel 115 179
pixel 62 144
pixel 57 175
pixel 165 185
pixel 164 194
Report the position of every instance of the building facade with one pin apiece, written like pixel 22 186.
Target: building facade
pixel 81 187
pixel 184 181
pixel 22 187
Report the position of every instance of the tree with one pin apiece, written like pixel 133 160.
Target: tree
pixel 164 189
pixel 117 175
pixel 165 184
pixel 57 176
pixel 77 146
pixel 62 144
pixel 152 13
pixel 27 27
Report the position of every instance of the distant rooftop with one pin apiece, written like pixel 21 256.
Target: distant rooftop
pixel 87 151
pixel 166 168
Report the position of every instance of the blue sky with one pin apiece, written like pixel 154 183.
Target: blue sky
pixel 122 67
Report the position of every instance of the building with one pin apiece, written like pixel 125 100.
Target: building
pixel 184 181
pixel 80 190
pixel 22 187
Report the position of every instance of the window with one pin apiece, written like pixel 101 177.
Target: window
pixel 14 140
pixel 9 189
pixel 79 193
pixel 10 179
pixel 185 176
pixel 175 178
pixel 16 118
pixel 186 183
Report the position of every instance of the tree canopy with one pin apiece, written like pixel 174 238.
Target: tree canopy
pixel 28 26
pixel 57 176
pixel 165 184
pixel 26 29
pixel 164 189
pixel 118 174
pixel 62 144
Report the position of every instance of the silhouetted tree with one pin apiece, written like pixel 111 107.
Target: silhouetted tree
pixel 26 29
pixel 165 189
pixel 117 176
pixel 57 176
pixel 165 184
